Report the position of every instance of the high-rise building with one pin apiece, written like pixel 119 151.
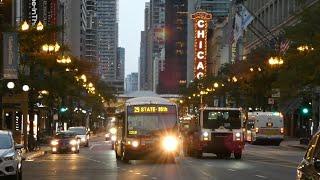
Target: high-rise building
pixel 73 17
pixel 157 40
pixel 145 60
pixel 107 31
pixel 131 82
pixel 142 62
pixel 91 33
pixel 173 72
pixel 119 81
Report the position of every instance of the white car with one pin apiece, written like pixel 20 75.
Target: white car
pixel 10 157
pixel 82 134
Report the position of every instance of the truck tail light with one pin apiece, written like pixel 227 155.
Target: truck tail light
pixel 281 130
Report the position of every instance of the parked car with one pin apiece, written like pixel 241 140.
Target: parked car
pixel 81 133
pixel 309 167
pixel 10 156
pixel 65 142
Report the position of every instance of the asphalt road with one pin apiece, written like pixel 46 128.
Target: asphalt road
pixel 99 162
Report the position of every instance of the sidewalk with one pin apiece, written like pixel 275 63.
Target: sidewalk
pixel 293 143
pixel 35 154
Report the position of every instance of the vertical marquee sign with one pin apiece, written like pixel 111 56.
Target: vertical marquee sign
pixel 200 43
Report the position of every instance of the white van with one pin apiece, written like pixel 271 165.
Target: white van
pixel 265 127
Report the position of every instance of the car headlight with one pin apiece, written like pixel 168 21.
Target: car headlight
pixel 9 158
pixel 299 174
pixel 205 134
pixel 170 143
pixel 113 138
pixel 54 142
pixel 83 139
pixel 113 130
pixel 73 142
pixel 135 144
pixel 238 135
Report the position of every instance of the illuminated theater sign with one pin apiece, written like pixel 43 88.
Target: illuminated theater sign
pixel 200 43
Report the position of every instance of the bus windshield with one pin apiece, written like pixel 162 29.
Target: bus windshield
pixel 213 119
pixel 145 124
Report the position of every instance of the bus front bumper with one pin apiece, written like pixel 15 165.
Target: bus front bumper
pixel 140 153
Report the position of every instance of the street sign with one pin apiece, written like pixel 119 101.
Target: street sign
pixel 216 102
pixel 271 101
pixel 10 56
pixel 275 93
pixel 55 117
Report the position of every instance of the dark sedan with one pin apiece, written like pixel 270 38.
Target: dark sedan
pixel 309 168
pixel 65 142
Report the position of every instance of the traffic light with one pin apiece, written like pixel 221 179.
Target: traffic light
pixel 305 110
pixel 63 109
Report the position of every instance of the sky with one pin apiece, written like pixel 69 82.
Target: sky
pixel 131 23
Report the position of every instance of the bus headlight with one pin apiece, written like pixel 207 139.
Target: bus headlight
pixel 135 144
pixel 54 142
pixel 170 143
pixel 73 142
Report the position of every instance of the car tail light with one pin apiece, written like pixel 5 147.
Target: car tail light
pixel 281 130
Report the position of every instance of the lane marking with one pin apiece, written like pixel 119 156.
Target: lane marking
pixel 154 178
pixel 204 173
pixel 262 177
pixel 232 170
pixel 273 164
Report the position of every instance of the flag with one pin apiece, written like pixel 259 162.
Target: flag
pixel 284 46
pixel 247 18
pixel 238 31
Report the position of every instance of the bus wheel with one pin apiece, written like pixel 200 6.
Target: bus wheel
pixel 238 155
pixel 125 158
pixel 117 156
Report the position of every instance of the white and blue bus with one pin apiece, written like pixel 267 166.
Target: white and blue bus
pixel 148 130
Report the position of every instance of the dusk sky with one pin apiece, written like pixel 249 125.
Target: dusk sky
pixel 131 23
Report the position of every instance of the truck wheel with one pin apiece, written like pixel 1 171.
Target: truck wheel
pixel 226 156
pixel 198 154
pixel 238 155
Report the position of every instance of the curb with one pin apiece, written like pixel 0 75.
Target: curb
pixel 298 147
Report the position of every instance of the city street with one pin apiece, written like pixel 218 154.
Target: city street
pixel 99 162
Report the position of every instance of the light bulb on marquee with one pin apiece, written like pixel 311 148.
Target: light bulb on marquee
pixel 200 43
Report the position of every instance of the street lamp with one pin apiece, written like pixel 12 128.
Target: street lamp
pixel 64 60
pixel 25 26
pixel 305 48
pixel 50 47
pixel 25 88
pixel 39 26
pixel 275 61
pixel 10 85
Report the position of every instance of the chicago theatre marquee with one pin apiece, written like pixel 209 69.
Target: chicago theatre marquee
pixel 201 20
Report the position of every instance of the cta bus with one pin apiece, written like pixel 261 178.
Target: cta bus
pixel 219 132
pixel 148 130
pixel 265 127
